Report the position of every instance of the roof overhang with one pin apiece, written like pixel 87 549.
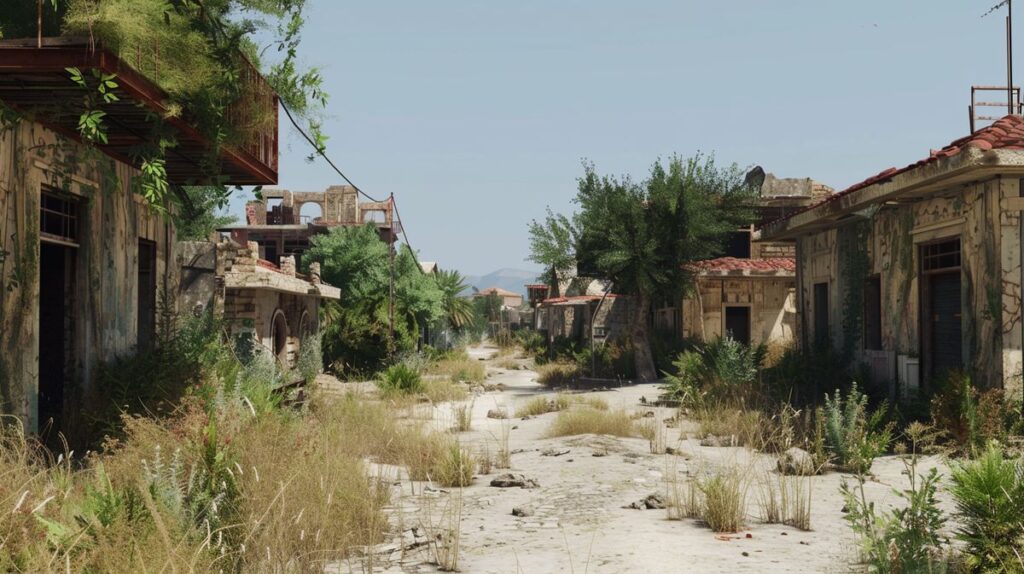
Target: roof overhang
pixel 903 186
pixel 34 80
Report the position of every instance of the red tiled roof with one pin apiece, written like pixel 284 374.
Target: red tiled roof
pixel 268 265
pixel 536 286
pixel 732 264
pixel 1005 133
pixel 575 299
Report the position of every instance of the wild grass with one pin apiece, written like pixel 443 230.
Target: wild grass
pixel 653 429
pixel 455 468
pixel 458 367
pixel 785 500
pixel 445 531
pixel 545 404
pixel 684 497
pixel 738 427
pixel 724 500
pixel 463 415
pixel 588 420
pixel 443 390
pixel 558 374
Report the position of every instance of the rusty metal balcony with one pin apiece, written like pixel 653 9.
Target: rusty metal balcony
pixel 34 81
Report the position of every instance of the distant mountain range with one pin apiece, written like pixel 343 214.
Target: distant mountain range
pixel 510 279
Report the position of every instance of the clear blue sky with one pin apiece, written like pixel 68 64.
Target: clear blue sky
pixel 476 114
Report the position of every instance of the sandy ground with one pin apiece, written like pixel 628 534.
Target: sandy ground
pixel 579 523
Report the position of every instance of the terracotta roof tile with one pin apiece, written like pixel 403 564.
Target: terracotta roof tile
pixel 1005 133
pixel 732 264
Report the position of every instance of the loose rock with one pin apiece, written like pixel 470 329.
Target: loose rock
pixel 497 414
pixel 650 502
pixel 510 480
pixel 522 511
pixel 796 461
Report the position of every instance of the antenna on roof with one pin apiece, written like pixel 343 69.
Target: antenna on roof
pixel 1012 104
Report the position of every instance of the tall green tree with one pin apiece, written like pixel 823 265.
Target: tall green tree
pixel 358 329
pixel 553 245
pixel 643 236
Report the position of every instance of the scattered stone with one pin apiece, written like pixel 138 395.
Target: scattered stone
pixel 648 414
pixel 745 553
pixel 515 427
pixel 553 452
pixel 796 461
pixel 749 535
pixel 518 451
pixel 497 414
pixel 599 453
pixel 522 511
pixel 650 502
pixel 785 533
pixel 510 480
pixel 717 441
pixel 671 450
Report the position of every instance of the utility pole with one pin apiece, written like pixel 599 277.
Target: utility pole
pixel 1009 56
pixel 391 290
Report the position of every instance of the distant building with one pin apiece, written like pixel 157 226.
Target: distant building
pixel 749 293
pixel 429 267
pixel 509 299
pixel 266 308
pixel 276 225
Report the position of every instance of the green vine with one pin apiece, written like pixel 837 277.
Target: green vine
pixel 854 264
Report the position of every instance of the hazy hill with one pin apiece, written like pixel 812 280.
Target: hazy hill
pixel 508 278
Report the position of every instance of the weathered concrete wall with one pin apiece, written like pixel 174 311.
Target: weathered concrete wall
pixel 772 302
pixel 981 215
pixel 105 295
pixel 574 321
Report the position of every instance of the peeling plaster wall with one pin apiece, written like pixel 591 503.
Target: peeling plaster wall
pixel 772 303
pixel 105 295
pixel 990 231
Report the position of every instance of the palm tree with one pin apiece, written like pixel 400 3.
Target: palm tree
pixel 458 310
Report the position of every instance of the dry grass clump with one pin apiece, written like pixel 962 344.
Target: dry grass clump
pixel 588 420
pixel 739 427
pixel 463 415
pixel 455 468
pixel 785 500
pixel 653 429
pixel 560 402
pixel 724 502
pixel 558 374
pixel 444 390
pixel 458 367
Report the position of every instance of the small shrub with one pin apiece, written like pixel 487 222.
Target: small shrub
pixel 904 539
pixel 400 379
pixel 989 494
pixel 785 500
pixel 724 501
pixel 311 359
pixel 854 436
pixel 969 417
pixel 740 427
pixel 531 341
pixel 443 390
pixel 463 417
pixel 558 374
pixel 458 367
pixel 592 421
pixel 686 384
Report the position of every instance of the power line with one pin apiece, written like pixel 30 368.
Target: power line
pixel 391 198
pixel 321 153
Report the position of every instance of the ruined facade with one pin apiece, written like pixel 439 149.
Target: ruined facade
pixel 916 271
pixel 266 308
pixel 275 222
pixel 750 293
pixel 83 261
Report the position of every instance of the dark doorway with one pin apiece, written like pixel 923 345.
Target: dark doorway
pixel 821 327
pixel 146 307
pixel 56 278
pixel 279 334
pixel 946 327
pixel 737 324
pixel 941 310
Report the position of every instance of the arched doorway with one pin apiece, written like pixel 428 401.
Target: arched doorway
pixel 279 337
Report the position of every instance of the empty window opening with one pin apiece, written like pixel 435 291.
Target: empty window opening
pixel 738 245
pixel 310 212
pixel 146 305
pixel 737 324
pixel 941 256
pixel 58 216
pixel 873 313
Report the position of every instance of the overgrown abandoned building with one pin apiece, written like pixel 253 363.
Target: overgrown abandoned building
pixel 265 307
pixel 277 223
pixel 83 258
pixel 749 292
pixel 916 271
